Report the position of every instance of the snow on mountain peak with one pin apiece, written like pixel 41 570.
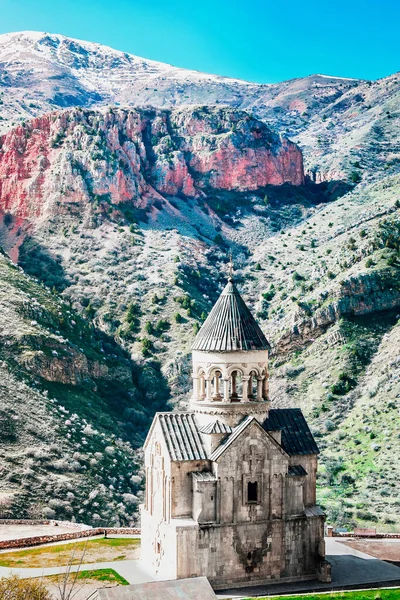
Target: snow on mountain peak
pixel 41 72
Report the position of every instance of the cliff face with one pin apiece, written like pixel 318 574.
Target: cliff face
pixel 138 156
pixel 360 294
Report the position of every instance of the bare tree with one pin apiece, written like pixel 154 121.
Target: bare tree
pixel 68 582
pixel 92 596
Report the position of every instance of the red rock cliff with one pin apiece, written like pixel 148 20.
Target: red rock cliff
pixel 137 156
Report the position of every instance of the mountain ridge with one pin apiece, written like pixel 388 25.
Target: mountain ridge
pixel 318 263
pixel 38 35
pixel 54 71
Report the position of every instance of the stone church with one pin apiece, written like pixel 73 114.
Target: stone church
pixel 231 484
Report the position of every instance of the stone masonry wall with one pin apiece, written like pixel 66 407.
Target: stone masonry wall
pixel 251 553
pixel 46 539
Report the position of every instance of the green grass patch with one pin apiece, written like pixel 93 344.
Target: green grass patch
pixel 103 575
pixel 387 594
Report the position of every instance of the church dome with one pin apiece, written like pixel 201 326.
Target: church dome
pixel 230 326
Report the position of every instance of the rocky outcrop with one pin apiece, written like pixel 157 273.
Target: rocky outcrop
pixel 67 394
pixel 72 368
pixel 361 294
pixel 78 157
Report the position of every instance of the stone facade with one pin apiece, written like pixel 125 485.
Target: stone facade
pixel 231 485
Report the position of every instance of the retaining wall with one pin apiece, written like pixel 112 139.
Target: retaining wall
pixel 74 535
pixel 376 536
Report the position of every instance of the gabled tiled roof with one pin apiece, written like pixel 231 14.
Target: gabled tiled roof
pixel 216 427
pixel 297 471
pixel 230 326
pixel 181 436
pixel 296 435
pixel 236 433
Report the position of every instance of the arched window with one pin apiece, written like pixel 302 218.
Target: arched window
pixel 252 491
pixel 265 387
pixel 235 386
pixel 252 390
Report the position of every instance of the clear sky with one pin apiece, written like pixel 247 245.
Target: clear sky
pixel 258 40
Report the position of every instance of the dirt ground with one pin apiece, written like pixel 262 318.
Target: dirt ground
pixel 388 550
pixel 91 551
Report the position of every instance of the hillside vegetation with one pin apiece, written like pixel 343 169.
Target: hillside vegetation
pixel 73 410
pixel 122 220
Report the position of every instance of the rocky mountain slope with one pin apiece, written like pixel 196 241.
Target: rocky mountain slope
pixel 46 71
pixel 342 125
pixel 128 215
pixel 74 410
pixel 40 72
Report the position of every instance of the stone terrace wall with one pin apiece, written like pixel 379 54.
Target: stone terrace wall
pixel 46 539
pixel 68 524
pixel 375 536
pixel 26 522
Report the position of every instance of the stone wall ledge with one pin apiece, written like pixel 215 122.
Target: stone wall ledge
pixel 75 535
pixel 373 536
pixel 53 522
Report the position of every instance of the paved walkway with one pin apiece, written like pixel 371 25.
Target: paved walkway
pixel 132 570
pixel 100 536
pixel 350 566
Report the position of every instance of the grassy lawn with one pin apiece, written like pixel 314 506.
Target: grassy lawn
pixel 98 550
pixel 105 575
pixel 393 594
pixel 108 575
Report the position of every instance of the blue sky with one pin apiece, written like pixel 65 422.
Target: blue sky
pixel 257 40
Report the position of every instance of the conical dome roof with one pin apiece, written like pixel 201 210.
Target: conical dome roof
pixel 230 326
